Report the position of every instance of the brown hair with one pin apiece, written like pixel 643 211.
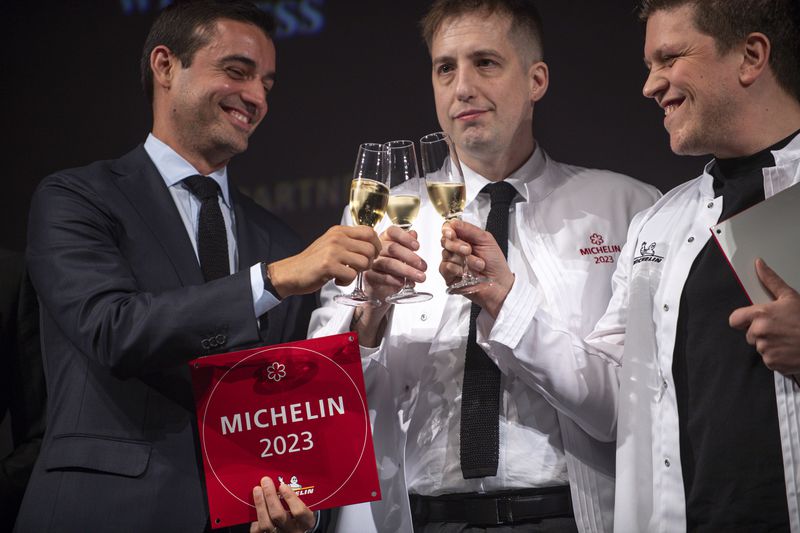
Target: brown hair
pixel 730 21
pixel 185 27
pixel 525 19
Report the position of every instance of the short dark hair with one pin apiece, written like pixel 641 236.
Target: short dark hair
pixel 186 26
pixel 730 21
pixel 525 18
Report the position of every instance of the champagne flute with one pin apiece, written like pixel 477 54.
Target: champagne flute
pixel 403 207
pixel 445 182
pixel 369 195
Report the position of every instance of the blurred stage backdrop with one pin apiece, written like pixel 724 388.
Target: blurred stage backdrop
pixel 349 71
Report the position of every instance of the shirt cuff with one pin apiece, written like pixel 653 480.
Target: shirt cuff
pixel 316 528
pixel 514 318
pixel 263 300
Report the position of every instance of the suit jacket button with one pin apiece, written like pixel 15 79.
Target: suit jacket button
pixel 221 340
pixel 205 344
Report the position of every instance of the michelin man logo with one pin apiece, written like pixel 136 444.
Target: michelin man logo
pixel 295 485
pixel 647 253
pixel 648 250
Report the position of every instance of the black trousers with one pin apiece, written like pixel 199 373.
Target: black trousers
pixel 545 525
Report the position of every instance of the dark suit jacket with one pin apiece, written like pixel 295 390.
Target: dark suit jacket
pixel 22 389
pixel 124 307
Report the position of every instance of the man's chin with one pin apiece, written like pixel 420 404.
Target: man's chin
pixel 471 140
pixel 683 143
pixel 233 146
pixel 682 147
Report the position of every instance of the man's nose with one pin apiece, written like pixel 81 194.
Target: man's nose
pixel 465 83
pixel 654 85
pixel 256 95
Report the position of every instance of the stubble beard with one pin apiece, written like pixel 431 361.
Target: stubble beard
pixel 210 136
pixel 707 130
pixel 474 140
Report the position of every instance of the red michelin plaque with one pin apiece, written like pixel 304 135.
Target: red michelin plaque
pixel 296 412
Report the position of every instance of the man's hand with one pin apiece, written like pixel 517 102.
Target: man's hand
pixel 461 239
pixel 272 517
pixel 773 328
pixel 340 254
pixel 397 262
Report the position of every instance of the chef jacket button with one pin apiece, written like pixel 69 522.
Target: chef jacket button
pixel 710 205
pixel 423 317
pixel 691 239
pixel 666 463
pixel 666 307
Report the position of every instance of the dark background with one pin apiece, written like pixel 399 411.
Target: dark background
pixel 348 72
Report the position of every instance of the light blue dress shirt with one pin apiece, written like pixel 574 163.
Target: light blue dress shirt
pixel 174 169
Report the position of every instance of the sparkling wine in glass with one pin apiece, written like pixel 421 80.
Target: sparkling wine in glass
pixel 369 195
pixel 448 194
pixel 403 207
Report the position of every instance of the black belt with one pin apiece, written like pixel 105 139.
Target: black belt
pixel 496 508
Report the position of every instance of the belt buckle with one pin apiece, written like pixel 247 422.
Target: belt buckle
pixel 505 511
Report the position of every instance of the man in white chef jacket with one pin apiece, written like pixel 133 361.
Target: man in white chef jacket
pixel 566 226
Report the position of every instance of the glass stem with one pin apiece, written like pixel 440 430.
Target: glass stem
pixel 359 283
pixel 465 273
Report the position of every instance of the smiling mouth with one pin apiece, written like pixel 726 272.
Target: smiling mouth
pixel 238 116
pixel 672 106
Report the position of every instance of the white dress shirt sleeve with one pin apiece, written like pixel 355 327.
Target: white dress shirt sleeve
pixel 263 300
pixel 526 342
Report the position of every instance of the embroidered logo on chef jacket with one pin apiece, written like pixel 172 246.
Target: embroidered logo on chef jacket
pixel 602 252
pixel 647 253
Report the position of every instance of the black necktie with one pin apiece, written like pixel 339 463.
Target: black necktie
pixel 480 395
pixel 212 240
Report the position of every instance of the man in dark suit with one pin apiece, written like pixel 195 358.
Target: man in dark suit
pixel 125 257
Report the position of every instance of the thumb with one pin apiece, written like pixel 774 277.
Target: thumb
pixel 771 280
pixel 470 233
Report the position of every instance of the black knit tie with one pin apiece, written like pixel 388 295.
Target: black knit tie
pixel 212 239
pixel 480 395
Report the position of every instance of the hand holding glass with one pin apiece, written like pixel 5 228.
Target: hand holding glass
pixel 445 182
pixel 403 207
pixel 369 195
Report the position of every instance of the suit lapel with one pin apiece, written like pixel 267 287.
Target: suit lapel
pixel 252 242
pixel 144 187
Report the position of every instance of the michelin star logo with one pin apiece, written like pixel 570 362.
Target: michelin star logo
pixel 599 246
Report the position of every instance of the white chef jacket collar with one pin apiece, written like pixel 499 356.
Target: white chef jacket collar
pixel 787 155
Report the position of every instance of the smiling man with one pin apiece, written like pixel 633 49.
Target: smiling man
pixel 145 262
pixel 709 431
pixel 533 450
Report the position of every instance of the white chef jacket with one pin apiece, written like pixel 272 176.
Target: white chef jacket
pixel 564 240
pixel 638 330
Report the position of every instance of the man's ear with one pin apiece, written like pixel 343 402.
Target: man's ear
pixel 164 65
pixel 539 76
pixel 755 58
